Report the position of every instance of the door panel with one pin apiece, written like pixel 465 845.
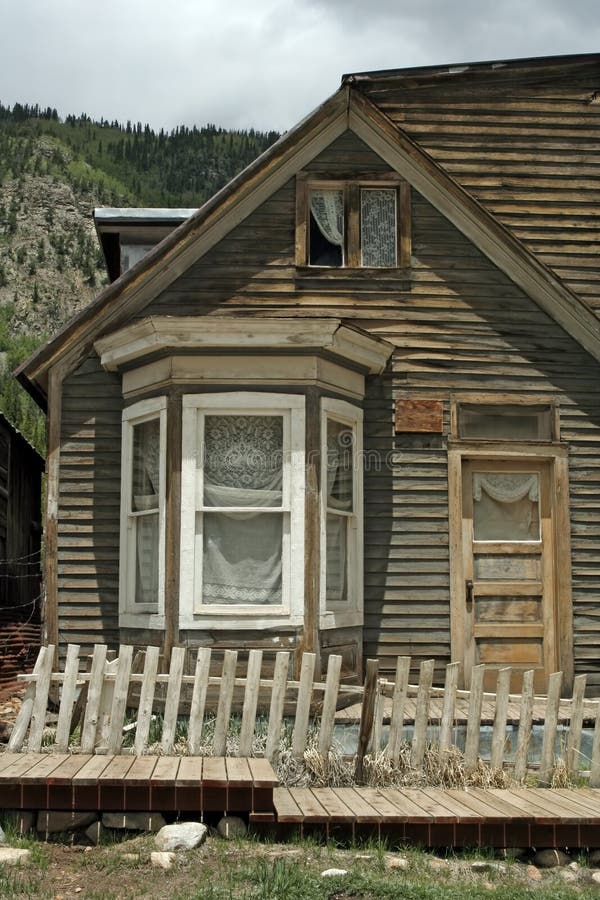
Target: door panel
pixel 508 564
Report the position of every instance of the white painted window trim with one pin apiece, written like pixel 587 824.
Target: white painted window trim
pixel 131 614
pixel 350 612
pixel 291 612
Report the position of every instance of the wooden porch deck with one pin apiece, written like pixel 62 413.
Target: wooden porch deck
pixel 434 817
pixel 123 783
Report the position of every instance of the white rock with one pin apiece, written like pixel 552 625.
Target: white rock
pixel 10 856
pixel 333 873
pixel 2 836
pixel 161 859
pixel 533 874
pixel 396 862
pixel 481 865
pixel 595 877
pixel 232 827
pixel 134 821
pixel 181 836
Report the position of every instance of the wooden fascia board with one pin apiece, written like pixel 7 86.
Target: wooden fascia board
pixel 188 243
pixel 475 222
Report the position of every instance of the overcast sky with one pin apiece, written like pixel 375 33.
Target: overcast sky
pixel 255 63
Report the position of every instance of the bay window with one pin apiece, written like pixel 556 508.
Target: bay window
pixel 242 522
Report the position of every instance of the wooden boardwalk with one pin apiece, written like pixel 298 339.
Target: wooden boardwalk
pixel 123 783
pixel 433 817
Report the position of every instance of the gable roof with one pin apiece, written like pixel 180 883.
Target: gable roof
pixel 350 107
pixel 523 138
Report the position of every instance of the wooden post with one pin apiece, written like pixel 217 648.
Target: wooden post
pixel 474 718
pixel 422 713
pixel 449 707
pixel 55 379
pixel 92 710
pixel 398 706
pixel 576 723
pixel 499 732
pixel 525 720
pixel 282 663
pixel 40 702
pixel 595 771
pixel 24 715
pixel 550 725
pixel 366 716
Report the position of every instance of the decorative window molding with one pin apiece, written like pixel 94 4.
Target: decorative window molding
pixel 242 485
pixel 341 575
pixel 143 492
pixel 352 223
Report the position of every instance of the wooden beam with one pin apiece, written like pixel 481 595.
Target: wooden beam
pixel 312 530
pixel 172 523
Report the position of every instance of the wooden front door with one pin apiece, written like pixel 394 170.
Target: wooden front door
pixel 508 544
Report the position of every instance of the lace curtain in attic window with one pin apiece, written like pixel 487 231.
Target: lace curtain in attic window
pixel 145 483
pixel 243 468
pixel 506 506
pixel 378 227
pixel 327 208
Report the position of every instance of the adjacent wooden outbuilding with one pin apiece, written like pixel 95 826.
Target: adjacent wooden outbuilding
pixel 351 404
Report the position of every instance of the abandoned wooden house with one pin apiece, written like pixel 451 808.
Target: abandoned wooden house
pixel 21 469
pixel 351 404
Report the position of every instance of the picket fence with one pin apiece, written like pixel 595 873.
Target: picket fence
pixel 95 699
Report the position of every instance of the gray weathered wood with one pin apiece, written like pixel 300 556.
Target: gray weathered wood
pixel 474 719
pixel 172 699
pixel 499 732
pixel 92 709
pixel 40 703
pixel 23 719
pixel 300 732
pixel 449 705
pixel 276 708
pixel 550 725
pixel 332 684
pixel 417 752
pixel 250 702
pixel 576 723
pixel 225 701
pixel 525 719
pixel 595 767
pixel 146 702
pixel 67 699
pixel 119 704
pixel 366 717
pixel 198 700
pixel 398 707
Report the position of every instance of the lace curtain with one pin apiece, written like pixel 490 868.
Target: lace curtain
pixel 378 227
pixel 145 498
pixel 327 208
pixel 506 506
pixel 242 458
pixel 340 440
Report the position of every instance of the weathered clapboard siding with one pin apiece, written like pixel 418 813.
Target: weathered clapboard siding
pixel 525 144
pixel 89 504
pixel 459 324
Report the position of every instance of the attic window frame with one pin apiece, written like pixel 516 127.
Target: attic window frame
pixel 351 187
pixel 489 401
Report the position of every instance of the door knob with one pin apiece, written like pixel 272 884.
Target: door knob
pixel 469 591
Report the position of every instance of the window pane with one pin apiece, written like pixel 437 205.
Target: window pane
pixel 378 226
pixel 146 466
pixel 340 449
pixel 511 422
pixel 146 565
pixel 506 506
pixel 243 460
pixel 326 228
pixel 336 563
pixel 242 558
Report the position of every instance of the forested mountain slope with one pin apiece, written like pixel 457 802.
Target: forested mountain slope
pixel 52 174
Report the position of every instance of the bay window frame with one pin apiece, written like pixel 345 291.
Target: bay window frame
pixel 132 614
pixel 349 612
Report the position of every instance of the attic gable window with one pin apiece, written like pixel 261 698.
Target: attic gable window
pixel 353 224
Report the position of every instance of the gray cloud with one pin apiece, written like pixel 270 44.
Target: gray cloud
pixel 263 64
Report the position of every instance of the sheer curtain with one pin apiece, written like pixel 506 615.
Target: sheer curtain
pixel 145 500
pixel 339 500
pixel 327 208
pixel 378 227
pixel 242 458
pixel 506 506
